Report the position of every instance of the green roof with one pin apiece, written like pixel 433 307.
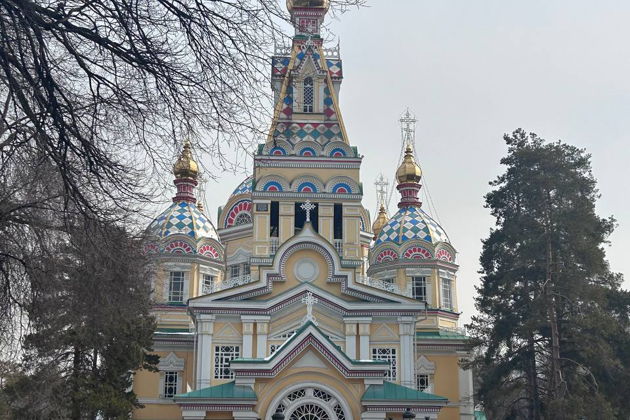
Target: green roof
pixel 441 335
pixel 172 330
pixel 294 337
pixel 229 391
pixel 393 392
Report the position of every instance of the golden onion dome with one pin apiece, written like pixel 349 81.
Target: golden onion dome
pixel 381 220
pixel 317 4
pixel 408 171
pixel 186 167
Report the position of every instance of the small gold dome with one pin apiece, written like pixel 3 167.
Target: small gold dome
pixel 186 167
pixel 381 220
pixel 409 171
pixel 319 4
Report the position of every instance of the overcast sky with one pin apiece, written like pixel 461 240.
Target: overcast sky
pixel 471 71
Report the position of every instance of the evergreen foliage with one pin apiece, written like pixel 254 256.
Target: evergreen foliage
pixel 91 327
pixel 551 337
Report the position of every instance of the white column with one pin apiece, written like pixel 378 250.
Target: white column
pixel 467 407
pixel 364 338
pixel 205 328
pixel 262 329
pixel 248 338
pixel 406 329
pixel 351 338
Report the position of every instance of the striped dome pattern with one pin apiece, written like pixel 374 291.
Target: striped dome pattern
pixel 411 223
pixel 244 187
pixel 182 218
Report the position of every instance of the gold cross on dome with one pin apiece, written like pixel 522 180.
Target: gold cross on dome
pixel 307 207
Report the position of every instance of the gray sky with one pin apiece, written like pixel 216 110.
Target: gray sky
pixel 471 71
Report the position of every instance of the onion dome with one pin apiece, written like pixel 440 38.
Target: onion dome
pixel 182 218
pixel 244 187
pixel 311 4
pixel 408 171
pixel 411 223
pixel 186 167
pixel 380 221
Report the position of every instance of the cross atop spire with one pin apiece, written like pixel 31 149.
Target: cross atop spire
pixel 382 191
pixel 408 129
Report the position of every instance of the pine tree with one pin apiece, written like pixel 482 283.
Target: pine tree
pixel 553 324
pixel 92 327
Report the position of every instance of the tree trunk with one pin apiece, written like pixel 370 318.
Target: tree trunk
pixel 75 409
pixel 556 373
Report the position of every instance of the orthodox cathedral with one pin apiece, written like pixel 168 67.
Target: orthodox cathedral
pixel 294 305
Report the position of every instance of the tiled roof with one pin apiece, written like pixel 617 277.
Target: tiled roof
pixel 411 223
pixel 393 392
pixel 441 335
pixel 182 218
pixel 228 391
pixel 245 187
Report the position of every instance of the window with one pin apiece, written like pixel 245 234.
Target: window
pixel 308 95
pixel 419 288
pixel 338 221
pixel 422 382
pixel 176 286
pixel 274 219
pixel 170 384
pixel 447 297
pixel 208 284
pixel 242 219
pixel 222 357
pixel 235 271
pixel 389 355
pixel 247 270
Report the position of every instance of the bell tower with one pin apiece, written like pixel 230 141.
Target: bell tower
pixel 307 16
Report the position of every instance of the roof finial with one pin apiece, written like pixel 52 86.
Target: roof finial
pixel 408 173
pixel 186 167
pixel 186 172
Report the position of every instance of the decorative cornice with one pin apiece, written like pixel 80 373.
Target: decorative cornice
pixel 401 408
pixel 307 162
pixel 304 196
pixel 215 406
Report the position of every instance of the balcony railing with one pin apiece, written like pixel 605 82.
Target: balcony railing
pixel 384 285
pixel 227 284
pixel 338 243
pixel 273 245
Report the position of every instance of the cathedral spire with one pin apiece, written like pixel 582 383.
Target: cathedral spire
pixel 186 172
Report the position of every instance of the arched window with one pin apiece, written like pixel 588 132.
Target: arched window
pixel 308 95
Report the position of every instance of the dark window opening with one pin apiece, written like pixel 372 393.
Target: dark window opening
pixel 338 221
pixel 300 217
pixel 274 219
pixel 308 95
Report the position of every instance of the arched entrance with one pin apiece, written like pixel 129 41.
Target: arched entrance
pixel 310 402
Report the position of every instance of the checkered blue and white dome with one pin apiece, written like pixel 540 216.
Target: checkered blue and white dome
pixel 411 223
pixel 245 187
pixel 182 218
